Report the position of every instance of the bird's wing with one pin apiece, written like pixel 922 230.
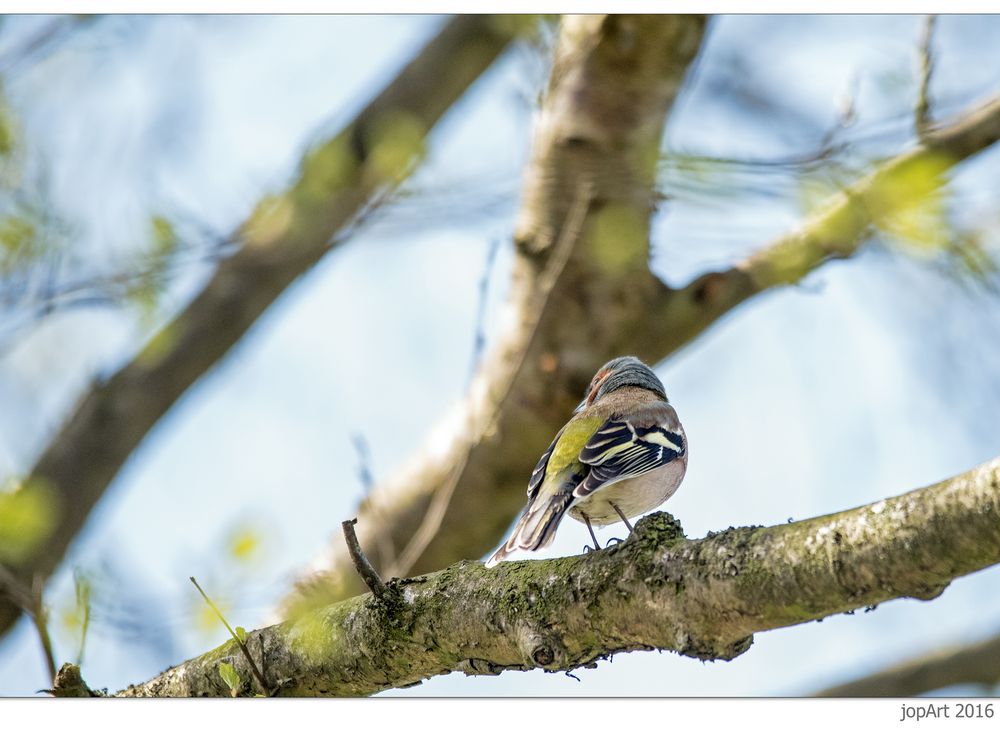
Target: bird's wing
pixel 539 472
pixel 629 445
pixel 563 457
pixel 550 489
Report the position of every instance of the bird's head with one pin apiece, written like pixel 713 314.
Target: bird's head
pixel 619 372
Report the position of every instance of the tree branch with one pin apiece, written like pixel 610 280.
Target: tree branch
pixel 835 230
pixel 977 664
pixel 613 81
pixel 608 304
pixel 283 238
pixel 925 58
pixel 702 598
pixel 361 563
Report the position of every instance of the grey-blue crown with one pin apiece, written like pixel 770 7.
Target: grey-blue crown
pixel 629 371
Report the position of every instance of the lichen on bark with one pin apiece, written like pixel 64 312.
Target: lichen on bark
pixel 703 598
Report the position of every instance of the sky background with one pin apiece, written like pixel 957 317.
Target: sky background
pixel 874 376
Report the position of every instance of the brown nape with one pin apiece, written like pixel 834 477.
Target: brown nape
pixel 599 379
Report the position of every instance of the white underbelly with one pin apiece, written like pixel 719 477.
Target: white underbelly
pixel 634 496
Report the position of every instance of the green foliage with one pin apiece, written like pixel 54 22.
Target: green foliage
pixel 910 206
pixel 9 147
pixel 164 238
pixel 397 144
pixel 618 238
pixel 232 679
pixel 7 134
pixel 971 259
pixel 145 289
pixel 241 633
pixel 19 240
pixel 325 171
pixel 28 515
pixel 244 543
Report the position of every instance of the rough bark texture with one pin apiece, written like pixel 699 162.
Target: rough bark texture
pixel 613 81
pixel 657 590
pixel 605 302
pixel 284 237
pixel 977 664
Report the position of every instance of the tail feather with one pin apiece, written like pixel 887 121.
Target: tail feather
pixel 536 528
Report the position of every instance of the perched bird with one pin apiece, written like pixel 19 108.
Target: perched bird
pixel 623 453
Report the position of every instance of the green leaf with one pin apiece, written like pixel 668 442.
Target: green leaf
pixel 241 633
pixel 146 287
pixel 18 233
pixel 28 514
pixel 8 127
pixel 164 237
pixel 229 675
pixel 244 543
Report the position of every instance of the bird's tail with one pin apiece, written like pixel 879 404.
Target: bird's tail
pixel 536 528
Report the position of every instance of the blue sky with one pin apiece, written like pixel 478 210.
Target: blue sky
pixel 874 376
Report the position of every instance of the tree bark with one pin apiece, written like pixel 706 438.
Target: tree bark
pixel 286 235
pixel 657 590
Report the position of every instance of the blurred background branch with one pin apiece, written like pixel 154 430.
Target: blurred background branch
pixel 976 664
pixel 286 235
pixel 43 41
pixel 922 121
pixel 835 229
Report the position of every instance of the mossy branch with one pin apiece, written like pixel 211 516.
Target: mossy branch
pixel 702 598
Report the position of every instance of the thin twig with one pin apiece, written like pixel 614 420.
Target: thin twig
pixel 41 617
pixel 239 641
pixel 82 586
pixel 922 120
pixel 30 601
pixel 364 461
pixel 361 563
pixel 479 342
pixel 386 546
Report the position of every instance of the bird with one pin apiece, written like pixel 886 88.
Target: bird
pixel 623 452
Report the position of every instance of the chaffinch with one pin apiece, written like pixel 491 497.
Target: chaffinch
pixel 623 453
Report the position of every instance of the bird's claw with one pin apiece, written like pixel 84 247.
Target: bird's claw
pixel 613 541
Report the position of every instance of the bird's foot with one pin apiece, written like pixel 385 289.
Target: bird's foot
pixel 613 541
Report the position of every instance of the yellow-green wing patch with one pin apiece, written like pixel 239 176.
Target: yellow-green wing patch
pixel 574 438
